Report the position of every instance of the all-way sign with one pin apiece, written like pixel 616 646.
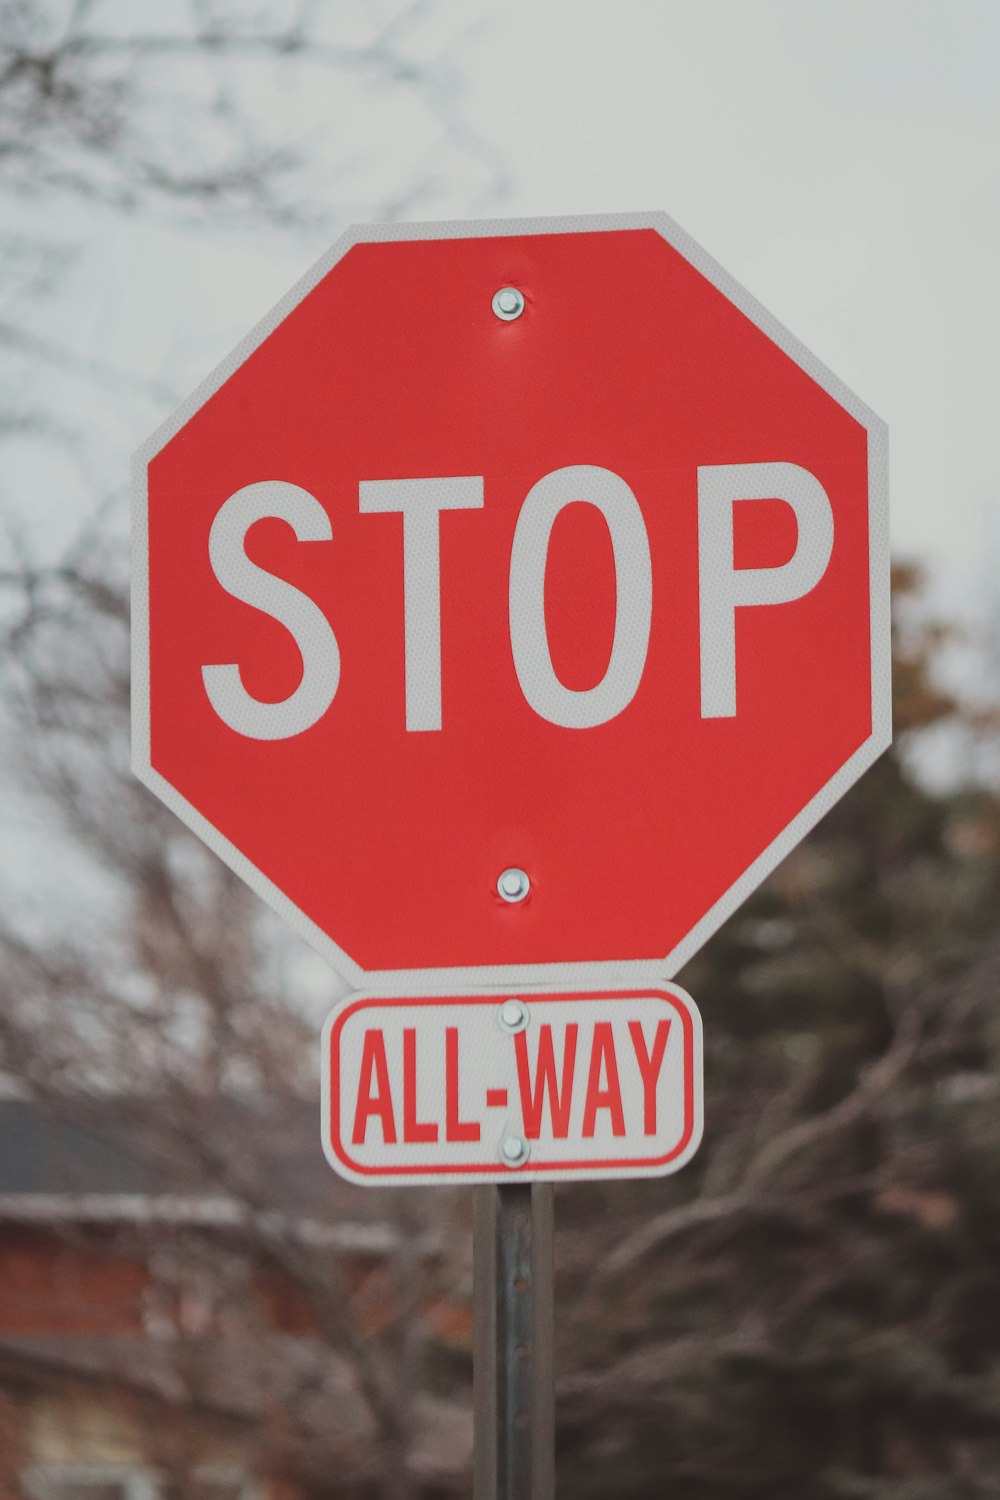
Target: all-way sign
pixel 478 1087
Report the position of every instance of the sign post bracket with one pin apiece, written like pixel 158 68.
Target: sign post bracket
pixel 514 1442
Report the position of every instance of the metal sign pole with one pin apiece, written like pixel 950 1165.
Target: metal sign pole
pixel 514 1442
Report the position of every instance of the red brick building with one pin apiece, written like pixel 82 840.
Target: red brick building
pixel 158 1340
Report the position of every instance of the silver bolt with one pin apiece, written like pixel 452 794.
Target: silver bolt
pixel 513 1016
pixel 514 1151
pixel 513 885
pixel 508 303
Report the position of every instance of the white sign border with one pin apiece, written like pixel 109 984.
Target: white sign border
pixel 615 972
pixel 501 1175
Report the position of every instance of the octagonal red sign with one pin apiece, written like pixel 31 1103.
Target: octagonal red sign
pixel 586 583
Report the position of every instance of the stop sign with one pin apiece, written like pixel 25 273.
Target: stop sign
pixel 511 601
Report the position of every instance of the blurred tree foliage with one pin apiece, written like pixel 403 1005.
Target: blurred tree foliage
pixel 812 1310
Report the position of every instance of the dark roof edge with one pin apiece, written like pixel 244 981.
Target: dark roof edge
pixel 215 1211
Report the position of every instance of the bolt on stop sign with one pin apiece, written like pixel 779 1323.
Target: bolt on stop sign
pixel 511 601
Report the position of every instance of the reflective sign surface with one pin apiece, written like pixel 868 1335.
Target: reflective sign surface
pixel 423 594
pixel 537 1086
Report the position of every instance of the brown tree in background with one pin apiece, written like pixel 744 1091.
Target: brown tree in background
pixel 813 1309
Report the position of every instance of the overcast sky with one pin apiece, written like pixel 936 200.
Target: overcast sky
pixel 840 157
